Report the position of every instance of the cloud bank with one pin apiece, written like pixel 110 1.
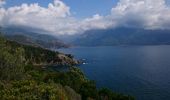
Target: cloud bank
pixel 57 19
pixel 148 14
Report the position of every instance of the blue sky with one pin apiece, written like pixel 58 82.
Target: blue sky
pixel 79 8
pixel 85 15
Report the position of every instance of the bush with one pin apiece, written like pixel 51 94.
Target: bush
pixel 106 94
pixel 11 62
pixel 31 90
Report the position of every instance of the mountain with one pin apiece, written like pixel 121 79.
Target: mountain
pixel 27 37
pixel 123 36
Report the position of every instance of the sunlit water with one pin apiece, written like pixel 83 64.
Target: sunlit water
pixel 140 71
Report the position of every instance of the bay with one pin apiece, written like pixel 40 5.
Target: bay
pixel 140 71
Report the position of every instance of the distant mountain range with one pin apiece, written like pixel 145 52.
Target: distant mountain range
pixel 123 36
pixel 31 38
pixel 97 37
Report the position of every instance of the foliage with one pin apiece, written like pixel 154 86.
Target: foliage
pixel 76 80
pixel 21 80
pixel 11 62
pixel 31 90
pixel 106 94
pixel 36 55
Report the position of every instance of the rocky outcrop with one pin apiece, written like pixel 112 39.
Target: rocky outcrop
pixel 67 60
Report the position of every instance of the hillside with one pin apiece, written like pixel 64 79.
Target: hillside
pixel 40 56
pixel 27 37
pixel 22 79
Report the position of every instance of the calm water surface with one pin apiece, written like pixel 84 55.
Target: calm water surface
pixel 140 71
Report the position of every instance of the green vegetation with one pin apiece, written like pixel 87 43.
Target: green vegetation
pixel 40 56
pixel 20 79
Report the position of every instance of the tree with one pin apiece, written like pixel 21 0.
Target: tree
pixel 11 62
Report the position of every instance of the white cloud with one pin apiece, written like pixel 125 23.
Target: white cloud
pixel 97 22
pixel 149 14
pixel 59 8
pixel 57 18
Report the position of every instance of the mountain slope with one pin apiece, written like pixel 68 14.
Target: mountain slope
pixel 31 38
pixel 123 36
pixel 43 57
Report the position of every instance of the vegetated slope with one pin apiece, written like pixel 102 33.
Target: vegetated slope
pixel 21 79
pixel 40 56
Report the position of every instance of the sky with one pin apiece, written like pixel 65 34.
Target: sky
pixel 80 8
pixel 61 17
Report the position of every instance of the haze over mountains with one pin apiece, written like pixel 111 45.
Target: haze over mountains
pixel 123 36
pixel 28 37
pixel 129 22
pixel 95 37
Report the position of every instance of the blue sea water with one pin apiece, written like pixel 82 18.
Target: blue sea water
pixel 140 71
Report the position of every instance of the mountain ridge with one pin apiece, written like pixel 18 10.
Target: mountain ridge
pixel 32 38
pixel 123 36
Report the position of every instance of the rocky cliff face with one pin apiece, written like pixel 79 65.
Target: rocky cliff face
pixel 66 60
